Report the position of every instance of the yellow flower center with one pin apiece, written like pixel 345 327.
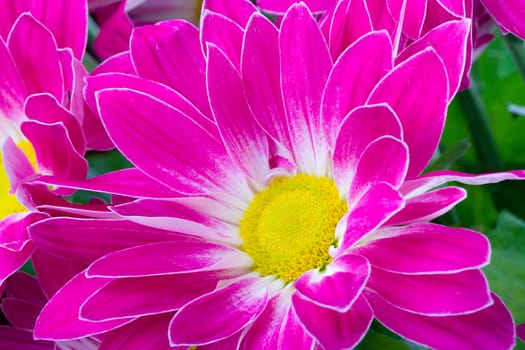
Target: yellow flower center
pixel 9 203
pixel 289 227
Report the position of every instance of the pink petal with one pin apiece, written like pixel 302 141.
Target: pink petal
pixel 508 14
pixel 380 17
pixel 126 182
pixel 303 79
pixel 437 178
pixel 12 89
pixel 13 229
pixel 145 333
pixel 345 24
pixel 14 260
pixel 59 319
pixel 450 42
pixel 39 75
pixel 67 20
pixel 196 160
pixel 433 294
pixel 261 77
pixel 338 286
pixel 488 329
pixel 429 205
pixel 238 11
pixel 46 109
pixel 223 33
pixel 423 75
pixel 53 272
pixel 427 248
pixel 25 287
pixel 362 126
pixel 16 165
pixel 10 11
pixel 332 329
pixel 20 313
pixel 219 314
pixel 114 33
pixel 131 297
pixel 413 16
pixel 54 149
pixel 245 141
pixel 520 330
pixel 163 258
pixel 171 53
pixel 119 63
pixel 277 328
pixel 93 238
pixel 280 6
pixel 376 206
pixel 383 160
pixel 16 339
pixel 366 61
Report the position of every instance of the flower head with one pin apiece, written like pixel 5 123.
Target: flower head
pixel 297 211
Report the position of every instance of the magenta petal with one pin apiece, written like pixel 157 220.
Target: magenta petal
pixel 277 328
pixel 20 313
pixel 427 248
pixel 25 287
pixel 433 294
pixel 520 331
pixel 223 33
pixel 450 42
pixel 219 314
pixel 119 63
pixel 195 161
pixel 338 286
pixel 16 165
pixel 145 333
pixel 332 329
pixel 12 89
pixel 508 14
pixel 39 75
pixel 376 206
pixel 261 77
pixel 280 6
pixel 18 339
pixel 358 130
pixel 67 20
pixel 245 141
pixel 171 53
pixel 384 160
pixel 422 118
pixel 57 322
pixel 54 150
pixel 303 79
pixel 413 16
pixel 127 182
pixel 238 11
pixel 429 205
pixel 366 61
pixel 488 329
pixel 14 260
pixel 163 258
pixel 114 32
pixel 129 297
pixel 93 238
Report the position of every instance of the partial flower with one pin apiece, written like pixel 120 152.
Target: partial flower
pixel 521 331
pixel 289 208
pixel 117 18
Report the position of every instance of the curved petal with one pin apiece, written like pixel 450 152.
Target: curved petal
pixel 280 6
pixel 362 126
pixel 18 339
pixel 427 248
pixel 304 76
pixel 223 33
pixel 417 90
pixel 245 141
pixel 14 260
pixel 338 286
pixel 332 329
pixel 238 11
pixel 487 329
pixel 433 294
pixel 12 90
pixel 219 314
pixel 162 258
pixel 508 14
pixel 366 61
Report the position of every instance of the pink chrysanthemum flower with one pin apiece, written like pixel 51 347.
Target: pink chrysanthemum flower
pixel 21 305
pixel 300 212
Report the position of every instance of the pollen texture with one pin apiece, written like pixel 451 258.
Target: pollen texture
pixel 289 226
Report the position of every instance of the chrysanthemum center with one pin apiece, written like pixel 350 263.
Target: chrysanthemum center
pixel 9 203
pixel 289 227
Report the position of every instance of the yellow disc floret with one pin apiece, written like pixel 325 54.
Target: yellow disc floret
pixel 8 202
pixel 289 227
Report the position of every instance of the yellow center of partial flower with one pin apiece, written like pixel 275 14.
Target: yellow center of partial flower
pixel 8 202
pixel 289 227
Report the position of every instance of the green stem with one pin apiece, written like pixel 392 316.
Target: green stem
pixel 482 138
pixel 516 48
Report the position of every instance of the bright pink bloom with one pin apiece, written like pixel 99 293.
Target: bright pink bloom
pixel 288 207
pixel 21 305
pixel 117 19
